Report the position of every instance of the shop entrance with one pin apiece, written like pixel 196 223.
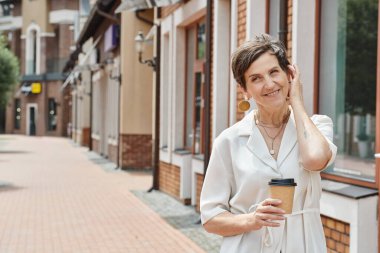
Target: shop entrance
pixel 31 119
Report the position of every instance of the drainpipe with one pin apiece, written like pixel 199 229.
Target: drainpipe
pixel 118 122
pixel 207 125
pixel 283 21
pixel 76 112
pixel 156 139
pixel 91 95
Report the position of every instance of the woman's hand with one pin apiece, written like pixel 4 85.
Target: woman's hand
pixel 228 224
pixel 295 87
pixel 266 213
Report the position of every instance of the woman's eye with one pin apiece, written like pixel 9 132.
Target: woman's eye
pixel 274 71
pixel 254 79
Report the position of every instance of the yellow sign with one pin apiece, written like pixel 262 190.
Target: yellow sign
pixel 36 88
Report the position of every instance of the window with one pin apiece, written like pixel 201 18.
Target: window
pixel 32 59
pixel 17 114
pixel 6 8
pixel 32 50
pixel 347 83
pixel 52 114
pixel 195 56
pixel 84 7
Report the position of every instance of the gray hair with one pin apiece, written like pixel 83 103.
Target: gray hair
pixel 251 50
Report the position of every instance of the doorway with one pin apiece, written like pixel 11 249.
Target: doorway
pixel 31 119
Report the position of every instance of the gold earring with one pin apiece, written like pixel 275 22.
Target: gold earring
pixel 244 105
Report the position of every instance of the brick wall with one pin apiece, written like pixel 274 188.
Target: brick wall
pixel 289 28
pixel 136 151
pixel 15 43
pixel 17 10
pixel 242 13
pixel 85 138
pixel 9 117
pixel 112 153
pixel 39 100
pixel 199 189
pixel 45 42
pixel 64 4
pixel 22 56
pixel 337 235
pixel 66 39
pixel 169 179
pixel 53 91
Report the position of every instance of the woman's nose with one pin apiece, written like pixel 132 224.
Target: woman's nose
pixel 269 82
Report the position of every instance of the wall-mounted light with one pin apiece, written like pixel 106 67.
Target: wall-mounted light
pixel 140 45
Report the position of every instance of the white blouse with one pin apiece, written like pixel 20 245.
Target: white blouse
pixel 237 179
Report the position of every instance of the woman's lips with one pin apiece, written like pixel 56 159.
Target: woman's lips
pixel 272 93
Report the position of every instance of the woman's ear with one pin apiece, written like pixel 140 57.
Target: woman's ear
pixel 290 72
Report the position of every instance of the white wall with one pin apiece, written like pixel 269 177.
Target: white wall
pixel 304 47
pixel 256 11
pixel 221 68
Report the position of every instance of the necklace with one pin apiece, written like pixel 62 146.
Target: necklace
pixel 271 151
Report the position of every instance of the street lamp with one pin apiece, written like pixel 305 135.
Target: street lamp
pixel 140 42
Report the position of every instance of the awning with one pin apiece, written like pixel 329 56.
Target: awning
pixel 134 5
pixel 81 66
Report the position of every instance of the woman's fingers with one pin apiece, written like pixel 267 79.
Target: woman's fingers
pixel 269 223
pixel 270 209
pixel 269 220
pixel 267 212
pixel 268 216
pixel 271 202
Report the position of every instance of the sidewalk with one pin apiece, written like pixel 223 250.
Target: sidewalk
pixel 55 197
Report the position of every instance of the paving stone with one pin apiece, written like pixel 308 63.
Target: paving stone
pixel 184 218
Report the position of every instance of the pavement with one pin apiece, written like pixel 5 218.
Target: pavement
pixel 58 197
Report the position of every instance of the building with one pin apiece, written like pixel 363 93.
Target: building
pixel 40 40
pixel 335 44
pixel 112 96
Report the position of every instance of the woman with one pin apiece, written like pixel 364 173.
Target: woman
pixel 277 140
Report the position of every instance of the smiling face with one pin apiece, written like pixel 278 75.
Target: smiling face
pixel 267 83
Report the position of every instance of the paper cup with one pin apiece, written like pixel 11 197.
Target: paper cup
pixel 283 189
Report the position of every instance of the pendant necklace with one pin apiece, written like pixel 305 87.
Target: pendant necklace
pixel 271 151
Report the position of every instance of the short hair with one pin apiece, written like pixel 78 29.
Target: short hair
pixel 251 50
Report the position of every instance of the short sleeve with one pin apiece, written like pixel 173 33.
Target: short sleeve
pixel 216 189
pixel 325 126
